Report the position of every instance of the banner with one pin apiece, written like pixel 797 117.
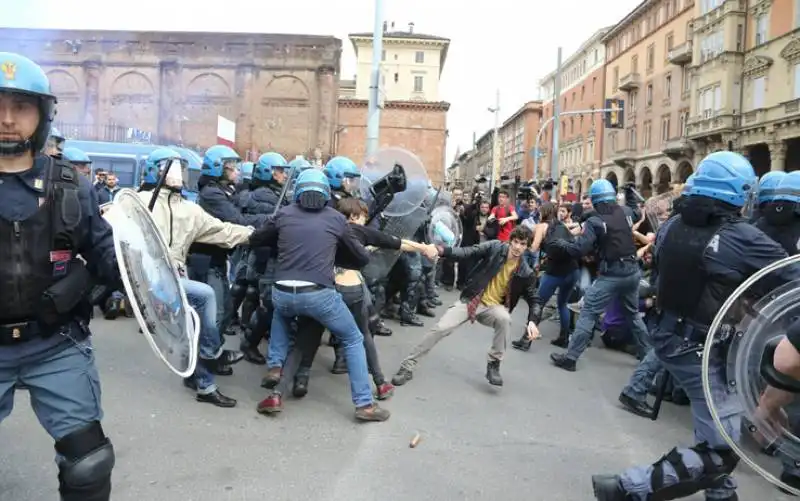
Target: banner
pixel 226 131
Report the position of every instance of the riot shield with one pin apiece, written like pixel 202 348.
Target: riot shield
pixel 381 164
pixel 152 285
pixel 382 260
pixel 445 227
pixel 749 324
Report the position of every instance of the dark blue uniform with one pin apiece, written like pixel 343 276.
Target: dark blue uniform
pixel 57 364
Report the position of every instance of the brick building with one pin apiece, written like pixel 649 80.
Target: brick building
pixel 647 66
pixel 418 126
pixel 580 138
pixel 517 135
pixel 280 90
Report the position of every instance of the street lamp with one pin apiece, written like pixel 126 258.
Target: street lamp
pixel 495 142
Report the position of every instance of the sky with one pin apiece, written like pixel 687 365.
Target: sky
pixel 497 44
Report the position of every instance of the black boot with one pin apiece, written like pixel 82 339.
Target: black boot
pixel 523 343
pixel 407 316
pixel 113 308
pixel 608 488
pixel 300 388
pixel 425 310
pixel 249 348
pixel 493 373
pixel 378 328
pixel 339 362
pixel 562 341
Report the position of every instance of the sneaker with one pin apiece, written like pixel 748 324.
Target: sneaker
pixel 372 413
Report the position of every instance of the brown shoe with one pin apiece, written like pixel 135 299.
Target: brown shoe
pixel 372 413
pixel 272 378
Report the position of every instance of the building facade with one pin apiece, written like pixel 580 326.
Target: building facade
pixel 746 84
pixel 412 117
pixel 648 54
pixel 411 66
pixel 419 127
pixel 517 135
pixel 580 136
pixel 280 90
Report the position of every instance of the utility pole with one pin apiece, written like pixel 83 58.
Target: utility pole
pixel 374 117
pixel 495 143
pixel 556 126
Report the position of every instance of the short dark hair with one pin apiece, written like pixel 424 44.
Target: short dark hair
pixel 352 207
pixel 503 192
pixel 521 234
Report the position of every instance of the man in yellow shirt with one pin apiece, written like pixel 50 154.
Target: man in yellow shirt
pixel 495 284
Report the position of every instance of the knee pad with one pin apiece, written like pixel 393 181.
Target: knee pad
pixel 717 464
pixel 251 294
pixel 85 472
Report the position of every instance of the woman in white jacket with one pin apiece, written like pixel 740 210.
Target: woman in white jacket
pixel 181 224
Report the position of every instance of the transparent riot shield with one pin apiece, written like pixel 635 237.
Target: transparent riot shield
pixel 403 227
pixel 417 182
pixel 152 285
pixel 445 227
pixel 753 318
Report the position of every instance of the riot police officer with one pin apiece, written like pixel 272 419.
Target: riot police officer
pixel 238 269
pixel 209 263
pixel 243 187
pixel 700 257
pixel 779 218
pixel 80 160
pixel 45 196
pixel 269 176
pixel 766 189
pixel 55 143
pixel 609 233
pixel 342 174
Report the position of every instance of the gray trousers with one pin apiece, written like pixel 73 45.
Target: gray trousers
pixel 496 317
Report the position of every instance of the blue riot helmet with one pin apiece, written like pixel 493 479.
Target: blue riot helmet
pixel 266 165
pixel 340 172
pixel 728 177
pixel 28 85
pixel 300 163
pixel 767 185
pixel 76 156
pixel 217 159
pixel 247 170
pixel 312 190
pixel 602 191
pixel 160 159
pixel 788 189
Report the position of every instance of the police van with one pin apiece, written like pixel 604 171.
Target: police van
pixel 127 161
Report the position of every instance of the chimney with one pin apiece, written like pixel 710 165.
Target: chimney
pixel 411 27
pixel 384 26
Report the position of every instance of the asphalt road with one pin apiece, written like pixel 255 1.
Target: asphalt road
pixel 540 437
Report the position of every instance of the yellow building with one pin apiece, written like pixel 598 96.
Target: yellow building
pixel 647 54
pixel 411 68
pixel 746 81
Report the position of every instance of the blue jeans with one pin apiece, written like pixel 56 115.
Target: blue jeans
pixel 218 280
pixel 597 297
pixel 63 383
pixel 564 284
pixel 682 362
pixel 202 298
pixel 326 307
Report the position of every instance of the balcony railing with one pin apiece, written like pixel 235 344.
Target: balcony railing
pixel 681 54
pixel 629 82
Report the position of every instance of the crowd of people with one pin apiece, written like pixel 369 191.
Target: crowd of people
pixel 279 252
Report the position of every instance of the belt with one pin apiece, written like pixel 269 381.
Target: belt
pixel 683 327
pixel 19 332
pixel 299 289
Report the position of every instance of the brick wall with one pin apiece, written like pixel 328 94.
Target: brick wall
pixel 419 127
pixel 279 89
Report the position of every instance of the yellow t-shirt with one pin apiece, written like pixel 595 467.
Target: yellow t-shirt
pixel 495 292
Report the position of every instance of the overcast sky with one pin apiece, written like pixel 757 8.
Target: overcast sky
pixel 505 44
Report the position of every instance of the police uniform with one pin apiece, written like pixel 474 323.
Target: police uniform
pixel 609 233
pixel 265 197
pixel 217 200
pixel 700 257
pixel 48 218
